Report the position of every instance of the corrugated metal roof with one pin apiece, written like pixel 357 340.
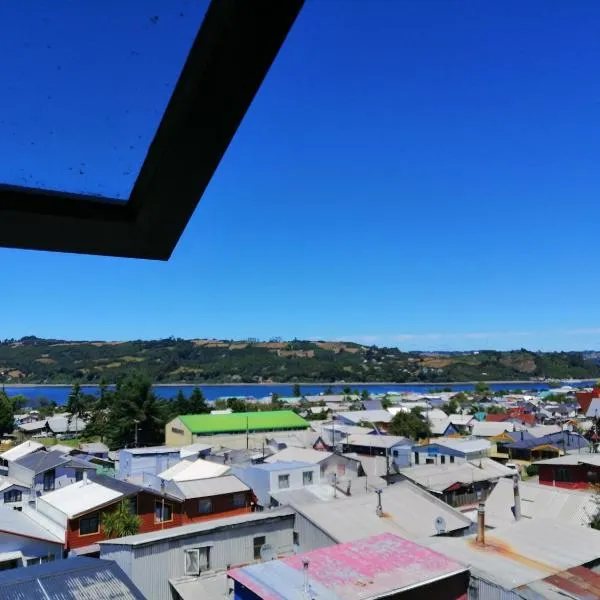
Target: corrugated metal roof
pixel 39 462
pixel 151 450
pixel 61 449
pixel 203 588
pixel 202 488
pixel 539 502
pixel 193 450
pixel 143 539
pixel 21 450
pixel 269 420
pixel 466 445
pixel 439 426
pixel 7 482
pixel 524 552
pixel 369 568
pixel 291 454
pixel 73 579
pixel 367 416
pixel 490 429
pixel 377 441
pixel 80 497
pixel 94 448
pixel 186 470
pixel 282 466
pixel 408 511
pixel 18 523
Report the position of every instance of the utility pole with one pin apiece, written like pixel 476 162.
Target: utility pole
pixel 136 433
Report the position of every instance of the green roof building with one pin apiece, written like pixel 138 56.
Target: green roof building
pixel 186 429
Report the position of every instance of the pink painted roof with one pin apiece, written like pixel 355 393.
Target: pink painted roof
pixel 357 570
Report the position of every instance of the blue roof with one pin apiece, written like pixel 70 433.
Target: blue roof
pixel 562 439
pixel 372 405
pixel 70 579
pixel 282 466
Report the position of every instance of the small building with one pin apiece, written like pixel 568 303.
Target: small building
pixel 382 566
pixel 442 427
pixel 96 449
pixel 13 493
pixel 490 429
pixel 28 447
pixel 191 470
pixel 510 559
pixel 396 449
pixel 154 460
pixel 74 579
pixel 571 471
pixel 24 542
pixel 187 429
pixel 450 450
pixel 265 479
pixel 539 502
pixel 43 472
pixel 159 562
pixel 331 465
pixel 548 446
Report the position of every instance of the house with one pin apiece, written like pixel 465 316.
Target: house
pixel 137 461
pixel 402 508
pixel 187 429
pixel 382 566
pixel 509 562
pixel 585 399
pixel 79 578
pixel 450 450
pixel 264 479
pixel 194 451
pixel 396 449
pixel 370 417
pixel 490 429
pixel 548 446
pixel 442 427
pixel 330 464
pixel 189 470
pixel 28 447
pixel 460 483
pixel 96 449
pixel 570 471
pixel 516 417
pixel 162 561
pixel 13 493
pixel 43 472
pixel 372 404
pixel 62 425
pixel 462 423
pixel 24 542
pixel 538 502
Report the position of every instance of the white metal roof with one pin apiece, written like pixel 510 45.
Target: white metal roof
pixel 377 441
pixel 408 511
pixel 18 523
pixel 466 445
pixel 460 419
pixel 436 414
pixel 439 426
pixel 152 450
pixel 367 416
pixel 186 470
pixel 80 497
pixel 292 454
pixel 6 482
pixel 539 502
pixel 216 486
pixel 542 430
pixel 490 428
pixel 21 450
pixel 440 477
pixel 521 553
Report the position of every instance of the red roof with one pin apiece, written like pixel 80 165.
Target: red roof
pixel 524 419
pixel 497 418
pixel 585 398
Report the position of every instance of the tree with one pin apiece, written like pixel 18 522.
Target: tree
pixel 120 521
pixel 76 405
pixel 364 395
pixel 386 402
pixel 411 425
pixel 296 391
pixel 328 391
pixel 482 388
pixel 7 413
pixel 452 407
pixel 495 410
pixel 197 403
pixel 136 404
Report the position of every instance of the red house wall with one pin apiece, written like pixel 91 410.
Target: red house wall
pixel 578 475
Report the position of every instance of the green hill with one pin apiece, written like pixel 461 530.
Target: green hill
pixel 35 360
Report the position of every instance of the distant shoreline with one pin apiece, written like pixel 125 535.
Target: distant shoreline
pixel 307 384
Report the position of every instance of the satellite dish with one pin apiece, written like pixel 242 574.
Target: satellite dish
pixel 267 553
pixel 440 525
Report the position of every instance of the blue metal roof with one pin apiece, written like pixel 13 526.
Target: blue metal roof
pixel 39 462
pixel 562 439
pixel 70 579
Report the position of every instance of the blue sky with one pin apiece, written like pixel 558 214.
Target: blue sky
pixel 422 174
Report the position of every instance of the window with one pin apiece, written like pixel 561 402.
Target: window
pixel 395 453
pixel 296 538
pixel 132 505
pixel 78 475
pixel 89 525
pixel 163 512
pixel 416 458
pixel 341 469
pixel 307 478
pixel 239 500
pixel 258 543
pixel 46 559
pixel 562 475
pixel 13 496
pixel 177 431
pixel 443 459
pixel 452 459
pixel 205 506
pixel 197 560
pixel 284 481
pixel 49 479
pixel 430 461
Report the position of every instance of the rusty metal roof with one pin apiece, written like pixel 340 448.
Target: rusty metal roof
pixel 369 568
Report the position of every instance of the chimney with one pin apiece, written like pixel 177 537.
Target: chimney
pixel 85 479
pixel 305 571
pixel 517 506
pixel 379 509
pixel 481 524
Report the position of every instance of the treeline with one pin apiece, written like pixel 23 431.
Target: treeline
pixel 173 360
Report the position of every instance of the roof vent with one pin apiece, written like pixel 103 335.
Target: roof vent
pixel 379 509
